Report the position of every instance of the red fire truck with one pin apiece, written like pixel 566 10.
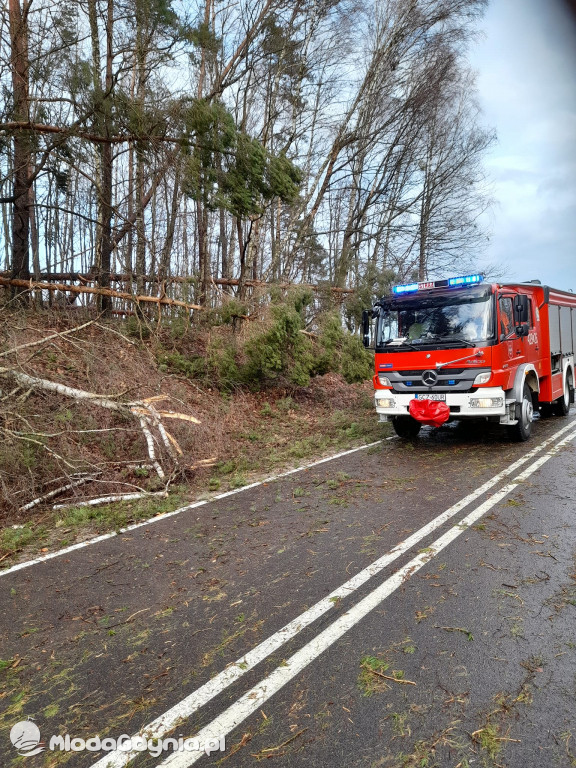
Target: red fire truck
pixel 464 348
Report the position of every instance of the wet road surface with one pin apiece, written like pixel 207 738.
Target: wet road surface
pixel 411 640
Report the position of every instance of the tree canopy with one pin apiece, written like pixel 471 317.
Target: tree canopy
pixel 260 139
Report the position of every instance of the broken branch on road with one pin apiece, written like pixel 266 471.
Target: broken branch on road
pixel 149 418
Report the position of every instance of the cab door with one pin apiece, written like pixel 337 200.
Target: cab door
pixel 512 346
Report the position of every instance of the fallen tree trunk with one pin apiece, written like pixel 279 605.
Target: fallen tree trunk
pixel 119 277
pixel 63 287
pixel 57 491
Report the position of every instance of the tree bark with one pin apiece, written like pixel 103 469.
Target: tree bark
pixel 107 167
pixel 22 156
pixel 104 157
pixel 164 266
pixel 201 212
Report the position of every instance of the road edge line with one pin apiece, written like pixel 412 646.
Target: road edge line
pixel 166 515
pixel 235 670
pixel 253 699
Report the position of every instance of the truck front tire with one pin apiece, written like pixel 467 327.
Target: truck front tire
pixel 406 427
pixel 524 413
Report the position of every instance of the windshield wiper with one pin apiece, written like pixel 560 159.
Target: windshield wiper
pixel 456 340
pixel 399 343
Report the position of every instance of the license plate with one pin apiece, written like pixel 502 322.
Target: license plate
pixel 430 396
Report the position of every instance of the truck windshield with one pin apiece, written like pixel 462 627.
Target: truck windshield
pixel 418 320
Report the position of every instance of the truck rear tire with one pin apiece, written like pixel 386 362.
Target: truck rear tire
pixel 561 407
pixel 525 411
pixel 406 427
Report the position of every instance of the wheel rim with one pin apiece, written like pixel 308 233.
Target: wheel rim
pixel 527 411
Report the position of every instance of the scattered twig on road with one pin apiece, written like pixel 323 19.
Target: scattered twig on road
pixel 457 629
pixel 475 735
pixel 128 620
pixel 242 743
pixel 280 746
pixel 389 677
pixel 157 677
pixel 546 554
pixel 104 567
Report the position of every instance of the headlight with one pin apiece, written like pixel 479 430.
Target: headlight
pixel 385 402
pixel 482 378
pixel 384 380
pixel 486 402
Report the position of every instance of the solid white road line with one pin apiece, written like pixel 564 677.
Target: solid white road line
pixel 260 693
pixel 197 699
pixel 158 518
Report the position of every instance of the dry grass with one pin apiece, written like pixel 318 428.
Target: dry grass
pixel 48 437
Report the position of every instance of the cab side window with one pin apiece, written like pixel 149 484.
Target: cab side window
pixel 506 316
pixel 530 314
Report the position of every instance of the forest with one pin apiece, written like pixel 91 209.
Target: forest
pixel 194 149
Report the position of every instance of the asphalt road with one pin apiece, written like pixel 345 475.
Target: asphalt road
pixel 408 604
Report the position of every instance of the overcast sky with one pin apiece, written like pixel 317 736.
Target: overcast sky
pixel 526 66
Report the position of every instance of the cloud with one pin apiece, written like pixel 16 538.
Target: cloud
pixel 526 66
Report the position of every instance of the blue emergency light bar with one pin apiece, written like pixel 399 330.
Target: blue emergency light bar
pixel 405 288
pixel 466 280
pixel 425 286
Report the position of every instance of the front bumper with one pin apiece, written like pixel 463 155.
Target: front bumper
pixel 484 402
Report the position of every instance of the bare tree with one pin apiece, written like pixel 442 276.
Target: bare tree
pixel 166 139
pixel 452 199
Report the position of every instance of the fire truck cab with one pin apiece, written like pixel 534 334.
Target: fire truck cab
pixel 464 348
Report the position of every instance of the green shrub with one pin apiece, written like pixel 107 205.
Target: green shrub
pixel 221 368
pixel 227 312
pixel 137 328
pixel 341 352
pixel 16 538
pixel 266 410
pixel 238 481
pixel 192 367
pixel 329 342
pixel 179 326
pixel 287 404
pixel 218 368
pixel 357 363
pixel 280 351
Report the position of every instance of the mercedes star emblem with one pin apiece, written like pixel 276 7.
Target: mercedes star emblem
pixel 429 378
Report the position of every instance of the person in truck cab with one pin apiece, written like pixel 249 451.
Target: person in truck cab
pixel 506 319
pixel 416 330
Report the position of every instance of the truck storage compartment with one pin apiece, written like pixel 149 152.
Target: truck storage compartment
pixel 566 338
pixel 554 321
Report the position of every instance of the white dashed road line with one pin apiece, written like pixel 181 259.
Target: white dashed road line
pixel 192 703
pixel 253 700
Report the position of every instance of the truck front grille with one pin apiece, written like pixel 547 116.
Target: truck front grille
pixel 449 380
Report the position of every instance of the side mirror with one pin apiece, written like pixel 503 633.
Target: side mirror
pixel 522 330
pixel 366 314
pixel 521 309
